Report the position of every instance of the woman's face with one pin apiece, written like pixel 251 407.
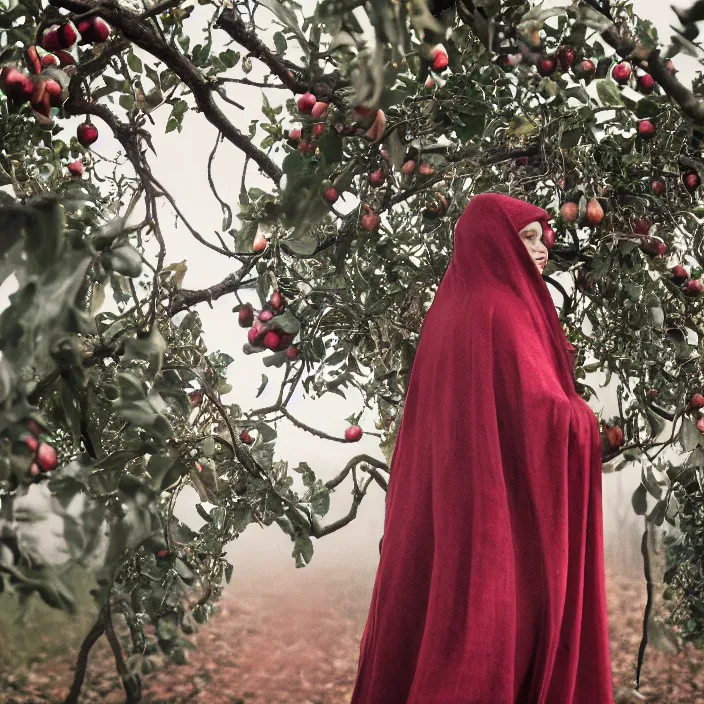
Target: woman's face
pixel 532 237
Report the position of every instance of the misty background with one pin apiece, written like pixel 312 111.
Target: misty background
pixel 264 554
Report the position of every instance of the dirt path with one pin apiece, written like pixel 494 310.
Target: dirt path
pixel 274 645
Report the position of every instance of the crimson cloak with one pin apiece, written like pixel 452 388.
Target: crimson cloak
pixel 490 587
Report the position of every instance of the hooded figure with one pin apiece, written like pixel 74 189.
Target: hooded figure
pixel 490 587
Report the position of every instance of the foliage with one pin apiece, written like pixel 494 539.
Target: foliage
pixel 131 401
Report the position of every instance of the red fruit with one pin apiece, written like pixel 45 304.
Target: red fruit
pixel 646 83
pixel 331 195
pixel 376 178
pixel 246 438
pixel 195 397
pixel 100 30
pixel 440 59
pixel 588 67
pixel 253 335
pixel 161 554
pixel 437 208
pixel 565 58
pixel 306 102
pixel 657 187
pixel 49 60
pixel 75 168
pixel 286 339
pixel 31 442
pixel 319 129
pixel 65 59
pixel 294 134
pixel 46 457
pixel 522 161
pixel 33 428
pixel 50 39
pixel 245 315
pixel 662 249
pixel 679 274
pixel 265 316
pixel 615 436
pixel 429 82
pixel 305 147
pixel 67 35
pixel 700 425
pixel 16 84
pixel 272 340
pixel 292 352
pixel 408 167
pixel 621 73
pixel 549 236
pixel 277 300
pixel 694 287
pixel 646 129
pixel 425 169
pixel 260 242
pixel 691 180
pixel 32 59
pixel 353 433
pixel 641 226
pixel 86 133
pixel 84 29
pixel 569 212
pixel 594 213
pixel 318 110
pixel 547 66
pixel 697 401
pixel 370 220
pixel 54 90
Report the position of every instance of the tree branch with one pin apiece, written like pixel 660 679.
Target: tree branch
pixel 82 660
pixel 132 684
pixel 142 35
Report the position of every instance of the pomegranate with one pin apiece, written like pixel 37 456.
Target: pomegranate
pixel 565 58
pixel 46 457
pixel 246 438
pixel 646 129
pixel 440 59
pixel 245 315
pixel 657 187
pixel 272 340
pixel 425 169
pixel 331 195
pixel 67 35
pixel 294 134
pixel 641 226
pixel 547 66
pixel 679 274
pixel 49 60
pixel 16 84
pixel 408 167
pixel 75 168
pixel 621 73
pixel 292 352
pixel 277 300
pixel 588 68
pixel 696 402
pixel 615 436
pixel 306 102
pixel 549 237
pixel 691 180
pixel 376 178
pixel 569 212
pixel 260 242
pixel 195 398
pixel 305 147
pixel 318 129
pixel 646 83
pixel 318 110
pixel 31 442
pixel 86 133
pixel 50 39
pixel 353 433
pixel 429 82
pixel 594 213
pixel 694 287
pixel 265 316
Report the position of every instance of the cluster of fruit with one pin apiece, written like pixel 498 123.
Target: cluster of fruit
pixel 43 454
pixel 50 65
pixel 695 403
pixel 263 330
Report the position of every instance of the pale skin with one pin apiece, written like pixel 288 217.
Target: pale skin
pixel 532 237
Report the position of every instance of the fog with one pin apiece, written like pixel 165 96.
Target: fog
pixel 265 553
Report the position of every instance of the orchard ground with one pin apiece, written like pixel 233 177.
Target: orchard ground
pixel 292 637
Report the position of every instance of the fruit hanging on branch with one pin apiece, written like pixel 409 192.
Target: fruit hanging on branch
pixel 657 186
pixel 547 66
pixel 86 133
pixel 370 221
pixel 549 237
pixel 306 102
pixel 15 84
pixel 621 73
pixel 646 83
pixel 594 213
pixel 691 180
pixel 569 212
pixel 376 178
pixel 439 58
pixel 93 31
pixel 565 58
pixel 353 433
pixel 679 274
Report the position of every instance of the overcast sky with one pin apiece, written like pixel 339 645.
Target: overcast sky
pixel 181 166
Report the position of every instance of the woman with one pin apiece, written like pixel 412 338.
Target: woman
pixel 490 586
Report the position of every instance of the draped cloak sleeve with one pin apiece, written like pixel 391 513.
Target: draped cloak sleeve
pixel 490 586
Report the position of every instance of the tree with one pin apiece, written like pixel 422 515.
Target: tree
pixel 573 107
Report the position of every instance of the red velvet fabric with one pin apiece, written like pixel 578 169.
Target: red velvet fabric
pixel 490 586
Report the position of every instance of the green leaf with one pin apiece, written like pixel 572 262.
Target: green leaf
pixel 280 43
pixel 134 62
pixel 690 436
pixel 639 500
pixel 330 147
pixel 124 260
pixel 126 101
pixel 149 348
pixel 609 94
pixel 302 551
